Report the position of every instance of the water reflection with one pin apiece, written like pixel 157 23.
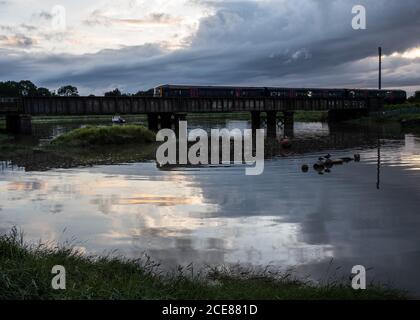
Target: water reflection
pixel 220 216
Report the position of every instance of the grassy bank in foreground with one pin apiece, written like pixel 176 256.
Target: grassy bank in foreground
pixel 25 273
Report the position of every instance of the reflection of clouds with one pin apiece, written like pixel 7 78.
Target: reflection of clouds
pixel 221 216
pixel 159 200
pixel 105 204
pixel 26 186
pixel 167 215
pixel 398 153
pixel 253 240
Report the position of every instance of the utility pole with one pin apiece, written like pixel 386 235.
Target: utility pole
pixel 378 181
pixel 380 68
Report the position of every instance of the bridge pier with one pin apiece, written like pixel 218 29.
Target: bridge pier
pixel 177 118
pixel 166 120
pixel 288 122
pixel 271 124
pixel 153 121
pixel 19 124
pixel 255 120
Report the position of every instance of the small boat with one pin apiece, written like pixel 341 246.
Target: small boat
pixel 117 120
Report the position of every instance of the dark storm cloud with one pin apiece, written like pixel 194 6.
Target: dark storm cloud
pixel 98 18
pixel 17 41
pixel 44 15
pixel 28 27
pixel 293 43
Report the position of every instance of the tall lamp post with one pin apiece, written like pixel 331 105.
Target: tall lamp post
pixel 380 68
pixel 378 181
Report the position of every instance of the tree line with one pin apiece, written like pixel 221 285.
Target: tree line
pixel 26 88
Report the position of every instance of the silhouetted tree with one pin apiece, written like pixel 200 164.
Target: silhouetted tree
pixel 18 89
pixel 27 88
pixel 148 93
pixel 68 91
pixel 43 92
pixel 9 89
pixel 113 93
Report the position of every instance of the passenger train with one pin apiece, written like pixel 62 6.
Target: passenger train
pixel 173 91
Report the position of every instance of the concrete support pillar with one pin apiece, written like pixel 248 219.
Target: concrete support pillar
pixel 12 123
pixel 334 115
pixel 288 123
pixel 166 120
pixel 153 121
pixel 19 124
pixel 271 124
pixel 177 118
pixel 256 120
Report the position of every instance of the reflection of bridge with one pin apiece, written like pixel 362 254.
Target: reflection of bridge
pixel 338 137
pixel 164 112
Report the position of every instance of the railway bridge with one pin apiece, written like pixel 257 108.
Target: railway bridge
pixel 165 112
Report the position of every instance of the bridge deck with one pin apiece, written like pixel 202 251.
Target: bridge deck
pixel 137 105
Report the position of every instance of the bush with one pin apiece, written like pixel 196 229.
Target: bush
pixel 105 135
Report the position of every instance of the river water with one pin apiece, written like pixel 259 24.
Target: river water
pixel 365 213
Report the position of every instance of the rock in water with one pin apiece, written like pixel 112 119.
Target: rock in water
pixel 337 161
pixel 329 163
pixel 286 143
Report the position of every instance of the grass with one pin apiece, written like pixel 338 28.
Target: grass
pixel 4 137
pixel 404 114
pixel 401 105
pixel 300 116
pixel 9 146
pixel 25 273
pixel 84 119
pixel 99 145
pixel 311 116
pixel 398 118
pixel 218 115
pixel 105 135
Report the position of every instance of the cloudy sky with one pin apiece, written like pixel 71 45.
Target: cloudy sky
pixel 137 44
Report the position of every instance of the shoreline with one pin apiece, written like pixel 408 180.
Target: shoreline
pixel 26 274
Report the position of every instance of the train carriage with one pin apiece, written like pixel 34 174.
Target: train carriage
pixel 185 91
